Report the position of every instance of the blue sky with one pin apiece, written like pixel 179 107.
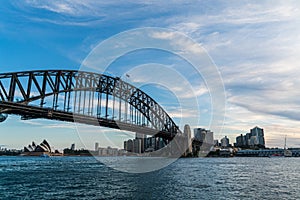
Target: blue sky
pixel 254 44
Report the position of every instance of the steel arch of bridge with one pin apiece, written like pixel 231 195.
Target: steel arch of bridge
pixel 67 94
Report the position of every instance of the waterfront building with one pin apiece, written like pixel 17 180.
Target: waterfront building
pixel 254 139
pixel 122 152
pixel 205 136
pixel 247 139
pixel 199 134
pixel 72 147
pixel 137 146
pixel 143 144
pixel 203 142
pixel 96 146
pixel 225 142
pixel 153 142
pixel 37 150
pixel 125 145
pixel 142 137
pixel 267 152
pixel 109 151
pixel 161 143
pixel 102 151
pixel 216 143
pixel 129 146
pixel 150 144
pixel 33 145
pixel 209 137
pixel 188 137
pixel 241 141
pixel 112 151
pixel 259 134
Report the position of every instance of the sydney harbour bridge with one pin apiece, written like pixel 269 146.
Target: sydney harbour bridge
pixel 83 97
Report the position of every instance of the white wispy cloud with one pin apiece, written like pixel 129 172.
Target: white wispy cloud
pixel 60 125
pixel 31 122
pixel 46 124
pixel 255 45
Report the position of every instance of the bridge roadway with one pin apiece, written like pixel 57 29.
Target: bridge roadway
pixel 92 92
pixel 33 112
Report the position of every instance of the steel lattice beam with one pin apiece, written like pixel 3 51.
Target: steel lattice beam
pixel 33 94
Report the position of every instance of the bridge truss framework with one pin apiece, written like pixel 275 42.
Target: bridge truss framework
pixel 84 97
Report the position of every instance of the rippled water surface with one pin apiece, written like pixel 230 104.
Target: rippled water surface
pixel 198 178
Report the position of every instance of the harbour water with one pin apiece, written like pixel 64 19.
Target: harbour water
pixel 189 178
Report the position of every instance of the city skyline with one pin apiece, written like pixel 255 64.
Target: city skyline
pixel 254 49
pixel 248 140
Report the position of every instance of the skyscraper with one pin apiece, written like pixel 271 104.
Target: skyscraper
pixel 259 134
pixel 96 146
pixel 205 140
pixel 216 143
pixel 209 137
pixel 199 134
pixel 73 147
pixel 241 141
pixel 137 146
pixel 125 145
pixel 142 137
pixel 254 139
pixel 225 142
pixel 205 136
pixel 129 146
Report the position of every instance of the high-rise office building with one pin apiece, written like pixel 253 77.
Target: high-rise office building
pixel 125 145
pixel 137 146
pixel 253 139
pixel 259 134
pixel 216 143
pixel 203 141
pixel 247 139
pixel 241 141
pixel 150 144
pixel 160 143
pixel 96 146
pixel 72 147
pixel 205 136
pixel 142 137
pixel 199 134
pixel 225 142
pixel 129 146
pixel 209 137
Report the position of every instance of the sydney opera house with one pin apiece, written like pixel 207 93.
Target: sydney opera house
pixel 37 150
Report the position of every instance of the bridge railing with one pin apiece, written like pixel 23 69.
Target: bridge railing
pixel 77 93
